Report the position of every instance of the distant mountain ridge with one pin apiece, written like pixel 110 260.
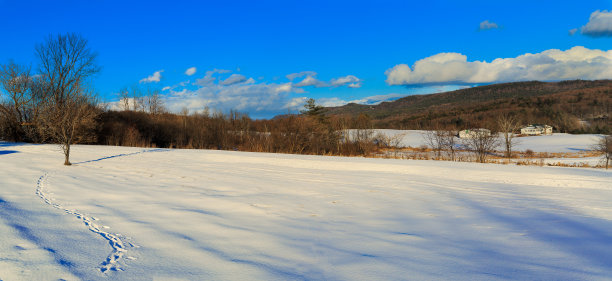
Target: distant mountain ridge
pixel 558 103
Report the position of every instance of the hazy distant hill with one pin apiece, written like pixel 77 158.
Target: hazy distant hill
pixel 572 106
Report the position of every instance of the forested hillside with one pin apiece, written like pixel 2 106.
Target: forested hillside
pixel 570 106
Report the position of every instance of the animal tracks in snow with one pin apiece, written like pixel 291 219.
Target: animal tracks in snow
pixel 119 246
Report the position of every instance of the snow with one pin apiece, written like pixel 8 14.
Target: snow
pixel 158 214
pixel 557 142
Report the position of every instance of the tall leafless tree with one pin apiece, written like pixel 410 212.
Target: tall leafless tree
pixel 69 111
pixel 507 125
pixel 604 146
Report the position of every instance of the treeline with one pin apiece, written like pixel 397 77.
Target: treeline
pixel 309 133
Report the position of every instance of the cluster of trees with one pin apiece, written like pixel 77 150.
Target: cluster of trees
pixel 311 132
pixel 56 103
pixel 482 142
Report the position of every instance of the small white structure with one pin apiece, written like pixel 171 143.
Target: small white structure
pixel 472 133
pixel 536 130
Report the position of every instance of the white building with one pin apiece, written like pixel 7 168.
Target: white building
pixel 536 130
pixel 471 133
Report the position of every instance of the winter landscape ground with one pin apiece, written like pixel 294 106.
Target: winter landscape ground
pixel 124 213
pixel 573 149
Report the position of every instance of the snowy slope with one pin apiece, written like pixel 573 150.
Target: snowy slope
pixel 146 214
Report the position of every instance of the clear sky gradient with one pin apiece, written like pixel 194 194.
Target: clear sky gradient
pixel 362 51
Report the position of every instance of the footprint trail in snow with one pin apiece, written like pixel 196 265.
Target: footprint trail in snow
pixel 118 245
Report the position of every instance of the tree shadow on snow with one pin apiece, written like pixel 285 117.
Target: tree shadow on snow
pixel 4 152
pixel 564 233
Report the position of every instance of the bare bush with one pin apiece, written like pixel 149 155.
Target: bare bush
pixel 436 140
pixel 450 143
pixel 482 143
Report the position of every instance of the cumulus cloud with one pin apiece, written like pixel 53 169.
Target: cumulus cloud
pixel 155 77
pixel 599 25
pixel 310 81
pixel 260 99
pixel 295 103
pixel 208 77
pixel 550 65
pixel 486 25
pixel 190 71
pixel 300 74
pixel 350 81
pixel 219 90
pixel 234 79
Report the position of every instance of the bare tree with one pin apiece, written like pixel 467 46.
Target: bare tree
pixel 124 99
pixel 508 125
pixel 66 64
pixel 450 142
pixel 137 99
pixel 435 139
pixel 482 143
pixel 14 111
pixel 153 101
pixel 604 146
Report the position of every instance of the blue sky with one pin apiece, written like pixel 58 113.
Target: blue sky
pixel 363 51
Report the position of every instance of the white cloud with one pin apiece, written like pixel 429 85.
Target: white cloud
pixel 208 78
pixel 295 103
pixel 190 71
pixel 371 100
pixel 350 80
pixel 300 74
pixel 550 65
pixel 310 81
pixel 221 92
pixel 327 102
pixel 599 25
pixel 234 79
pixel 378 99
pixel 283 88
pixel 155 77
pixel 572 31
pixel 486 25
pixel 259 99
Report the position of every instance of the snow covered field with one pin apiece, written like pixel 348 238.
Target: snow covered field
pixel 558 142
pixel 574 147
pixel 155 214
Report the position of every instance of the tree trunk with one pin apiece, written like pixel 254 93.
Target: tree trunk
pixel 67 154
